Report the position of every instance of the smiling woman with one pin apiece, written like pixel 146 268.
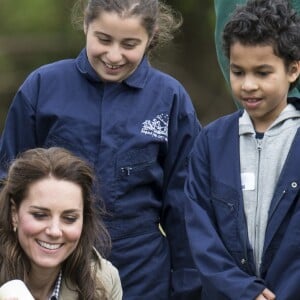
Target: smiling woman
pixel 53 227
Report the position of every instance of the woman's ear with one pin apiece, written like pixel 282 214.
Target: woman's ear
pixel 14 215
pixel 294 70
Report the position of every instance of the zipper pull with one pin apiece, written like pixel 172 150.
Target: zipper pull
pixel 259 144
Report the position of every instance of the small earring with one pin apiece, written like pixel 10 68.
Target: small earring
pixel 15 229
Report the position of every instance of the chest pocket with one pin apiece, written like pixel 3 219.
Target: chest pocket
pixel 138 167
pixel 226 210
pixel 75 148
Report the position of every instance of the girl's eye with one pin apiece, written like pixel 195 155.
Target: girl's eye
pixel 103 40
pixel 129 46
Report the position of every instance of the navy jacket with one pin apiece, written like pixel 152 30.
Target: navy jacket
pixel 216 223
pixel 137 134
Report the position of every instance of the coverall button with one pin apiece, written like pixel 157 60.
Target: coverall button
pixel 294 184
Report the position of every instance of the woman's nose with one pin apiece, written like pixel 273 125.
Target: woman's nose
pixel 54 229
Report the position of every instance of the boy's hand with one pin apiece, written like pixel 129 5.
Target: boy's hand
pixel 266 295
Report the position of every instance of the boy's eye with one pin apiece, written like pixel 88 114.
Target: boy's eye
pixel 263 74
pixel 236 72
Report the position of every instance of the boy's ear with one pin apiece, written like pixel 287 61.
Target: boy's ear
pixel 294 70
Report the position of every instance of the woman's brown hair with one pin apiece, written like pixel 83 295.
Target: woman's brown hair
pixel 32 166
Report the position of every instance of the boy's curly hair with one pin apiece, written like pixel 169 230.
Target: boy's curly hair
pixel 265 22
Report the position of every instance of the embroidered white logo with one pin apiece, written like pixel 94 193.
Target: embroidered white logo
pixel 158 127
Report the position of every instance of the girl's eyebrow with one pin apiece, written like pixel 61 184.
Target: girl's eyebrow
pixel 101 33
pixel 98 33
pixel 132 40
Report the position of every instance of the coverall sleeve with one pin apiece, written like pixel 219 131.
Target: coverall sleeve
pixel 19 129
pixel 183 128
pixel 223 9
pixel 220 274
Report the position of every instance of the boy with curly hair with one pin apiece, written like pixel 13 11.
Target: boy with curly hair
pixel 244 179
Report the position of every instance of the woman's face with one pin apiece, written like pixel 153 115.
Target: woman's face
pixel 49 222
pixel 115 45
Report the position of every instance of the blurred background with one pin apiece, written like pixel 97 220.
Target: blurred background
pixel 36 32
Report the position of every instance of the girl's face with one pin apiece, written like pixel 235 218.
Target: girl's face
pixel 49 222
pixel 115 45
pixel 260 81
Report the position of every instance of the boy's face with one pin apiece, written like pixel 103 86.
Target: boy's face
pixel 260 81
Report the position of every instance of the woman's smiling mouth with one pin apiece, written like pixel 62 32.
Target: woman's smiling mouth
pixel 49 246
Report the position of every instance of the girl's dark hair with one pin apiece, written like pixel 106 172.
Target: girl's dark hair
pixel 265 22
pixel 159 19
pixel 28 168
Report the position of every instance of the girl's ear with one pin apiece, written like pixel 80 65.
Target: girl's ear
pixel 153 39
pixel 294 70
pixel 14 215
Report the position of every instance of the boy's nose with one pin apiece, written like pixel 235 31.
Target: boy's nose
pixel 249 84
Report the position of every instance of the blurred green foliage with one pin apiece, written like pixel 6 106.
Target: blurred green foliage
pixel 31 16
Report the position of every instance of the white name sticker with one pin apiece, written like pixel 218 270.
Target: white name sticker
pixel 248 181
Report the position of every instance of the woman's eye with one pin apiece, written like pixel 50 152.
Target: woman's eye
pixel 38 215
pixel 70 219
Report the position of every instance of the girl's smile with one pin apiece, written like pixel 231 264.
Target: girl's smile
pixel 115 45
